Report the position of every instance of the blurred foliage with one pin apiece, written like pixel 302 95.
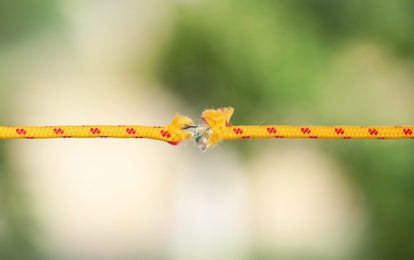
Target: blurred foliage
pixel 19 20
pixel 269 59
pixel 16 226
pixel 390 22
pixel 386 173
pixel 216 57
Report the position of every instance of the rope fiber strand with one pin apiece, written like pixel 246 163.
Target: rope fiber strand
pixel 215 129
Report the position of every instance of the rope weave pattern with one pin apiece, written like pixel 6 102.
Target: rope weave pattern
pixel 322 132
pixel 215 129
pixel 172 134
pixel 218 122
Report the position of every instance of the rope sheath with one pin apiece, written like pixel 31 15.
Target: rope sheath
pixel 321 132
pixel 92 131
pixel 172 134
pixel 218 121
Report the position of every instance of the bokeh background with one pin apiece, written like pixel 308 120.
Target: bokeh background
pixel 317 62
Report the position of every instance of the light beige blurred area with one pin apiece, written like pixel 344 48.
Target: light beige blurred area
pixel 143 199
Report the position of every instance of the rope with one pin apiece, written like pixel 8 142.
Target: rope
pixel 215 130
pixel 219 129
pixel 172 134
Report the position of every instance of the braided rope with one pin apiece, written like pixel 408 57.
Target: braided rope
pixel 219 129
pixel 172 134
pixel 216 129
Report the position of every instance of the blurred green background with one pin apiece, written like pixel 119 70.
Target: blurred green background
pixel 317 62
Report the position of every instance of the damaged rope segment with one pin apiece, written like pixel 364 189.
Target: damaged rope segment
pixel 216 128
pixel 218 122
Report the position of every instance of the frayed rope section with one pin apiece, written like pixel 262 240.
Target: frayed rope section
pixel 216 127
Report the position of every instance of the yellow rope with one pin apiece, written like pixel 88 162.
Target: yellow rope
pixel 219 129
pixel 172 134
pixel 216 129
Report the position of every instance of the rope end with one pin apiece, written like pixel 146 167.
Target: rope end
pixel 216 121
pixel 177 127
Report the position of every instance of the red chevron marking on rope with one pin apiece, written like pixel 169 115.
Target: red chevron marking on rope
pixel 339 131
pixel 271 130
pixel 95 131
pixel 408 131
pixel 131 131
pixel 58 131
pixel 305 130
pixel 238 131
pixel 165 134
pixel 21 131
pixel 373 131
